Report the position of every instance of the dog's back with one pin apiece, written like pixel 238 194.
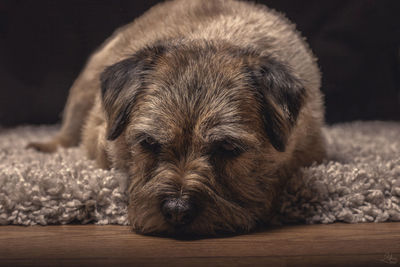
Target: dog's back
pixel 241 23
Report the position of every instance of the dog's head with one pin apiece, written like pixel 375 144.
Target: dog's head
pixel 201 128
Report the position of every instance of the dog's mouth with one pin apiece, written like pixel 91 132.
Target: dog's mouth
pixel 184 214
pixel 204 223
pixel 192 232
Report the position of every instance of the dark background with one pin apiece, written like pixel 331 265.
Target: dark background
pixel 44 45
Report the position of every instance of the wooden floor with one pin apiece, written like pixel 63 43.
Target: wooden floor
pixel 305 245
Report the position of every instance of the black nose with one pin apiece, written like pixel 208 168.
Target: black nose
pixel 178 211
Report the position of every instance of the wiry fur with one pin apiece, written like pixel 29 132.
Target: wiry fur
pixel 215 102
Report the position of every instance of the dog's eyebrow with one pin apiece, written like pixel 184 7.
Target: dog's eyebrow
pixel 239 143
pixel 238 137
pixel 139 137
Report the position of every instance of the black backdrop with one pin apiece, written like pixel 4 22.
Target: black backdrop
pixel 45 43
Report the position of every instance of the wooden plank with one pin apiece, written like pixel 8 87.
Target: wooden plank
pixel 367 244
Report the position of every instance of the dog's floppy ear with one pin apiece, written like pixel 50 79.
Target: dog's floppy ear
pixel 122 84
pixel 281 95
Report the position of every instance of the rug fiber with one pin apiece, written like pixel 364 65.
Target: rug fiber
pixel 358 182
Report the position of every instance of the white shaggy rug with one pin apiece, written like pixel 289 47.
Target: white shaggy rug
pixel 358 182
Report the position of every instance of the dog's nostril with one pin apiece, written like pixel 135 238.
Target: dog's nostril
pixel 178 211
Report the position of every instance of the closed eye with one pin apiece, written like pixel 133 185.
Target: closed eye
pixel 149 143
pixel 227 149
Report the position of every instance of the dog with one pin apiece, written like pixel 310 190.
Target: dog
pixel 208 106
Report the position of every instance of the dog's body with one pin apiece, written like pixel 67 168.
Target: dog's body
pixel 208 105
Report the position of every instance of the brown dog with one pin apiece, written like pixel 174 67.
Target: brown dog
pixel 209 106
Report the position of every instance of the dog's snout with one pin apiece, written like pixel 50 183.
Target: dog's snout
pixel 178 211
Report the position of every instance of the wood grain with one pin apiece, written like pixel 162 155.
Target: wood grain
pixel 301 245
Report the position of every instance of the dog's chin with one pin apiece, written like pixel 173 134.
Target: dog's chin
pixel 191 232
pixel 201 227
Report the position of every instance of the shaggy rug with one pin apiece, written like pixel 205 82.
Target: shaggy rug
pixel 358 182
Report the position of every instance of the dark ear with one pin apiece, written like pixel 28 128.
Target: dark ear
pixel 122 84
pixel 281 95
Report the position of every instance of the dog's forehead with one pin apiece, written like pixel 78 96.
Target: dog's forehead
pixel 199 93
pixel 203 131
pixel 203 117
pixel 172 122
